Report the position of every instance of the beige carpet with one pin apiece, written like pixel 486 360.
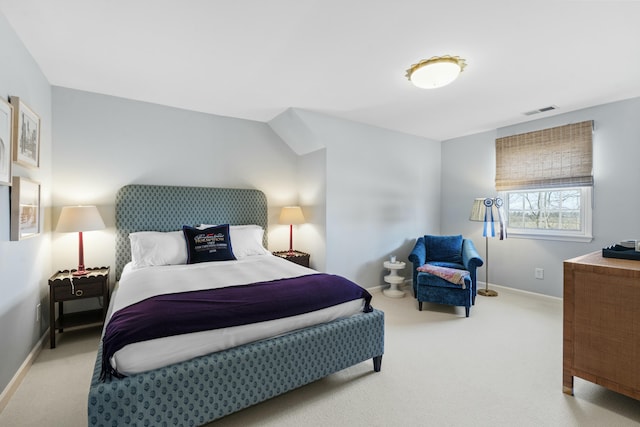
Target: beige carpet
pixel 500 367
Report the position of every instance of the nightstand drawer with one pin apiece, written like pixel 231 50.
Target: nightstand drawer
pixel 66 292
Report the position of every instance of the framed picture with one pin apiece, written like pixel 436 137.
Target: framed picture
pixel 6 128
pixel 25 208
pixel 26 134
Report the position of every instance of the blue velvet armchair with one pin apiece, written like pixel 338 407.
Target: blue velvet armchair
pixel 445 251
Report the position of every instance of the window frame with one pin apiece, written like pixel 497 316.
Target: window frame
pixel 586 216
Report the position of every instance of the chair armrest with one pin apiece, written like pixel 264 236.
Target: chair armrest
pixel 470 256
pixel 471 261
pixel 418 257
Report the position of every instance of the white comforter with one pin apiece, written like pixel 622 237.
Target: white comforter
pixel 138 284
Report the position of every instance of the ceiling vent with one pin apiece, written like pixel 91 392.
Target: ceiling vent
pixel 540 110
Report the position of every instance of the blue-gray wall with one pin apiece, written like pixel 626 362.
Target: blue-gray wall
pixel 26 265
pixel 616 201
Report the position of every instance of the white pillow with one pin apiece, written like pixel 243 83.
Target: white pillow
pixel 246 240
pixel 157 248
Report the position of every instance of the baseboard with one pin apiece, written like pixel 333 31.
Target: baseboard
pixel 408 283
pixel 377 289
pixel 481 285
pixel 13 385
pixel 404 286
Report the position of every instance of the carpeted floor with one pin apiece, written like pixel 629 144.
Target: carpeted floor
pixel 500 367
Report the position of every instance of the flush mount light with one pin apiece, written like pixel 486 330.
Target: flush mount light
pixel 436 72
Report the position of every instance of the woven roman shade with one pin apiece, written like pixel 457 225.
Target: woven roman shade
pixel 549 158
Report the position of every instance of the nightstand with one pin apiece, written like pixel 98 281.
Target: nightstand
pixel 297 257
pixel 63 286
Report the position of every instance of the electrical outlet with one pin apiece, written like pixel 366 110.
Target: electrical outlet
pixel 38 312
pixel 539 273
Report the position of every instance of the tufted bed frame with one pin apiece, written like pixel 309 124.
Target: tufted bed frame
pixel 206 388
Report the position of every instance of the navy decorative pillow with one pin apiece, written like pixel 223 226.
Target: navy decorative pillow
pixel 209 244
pixel 444 248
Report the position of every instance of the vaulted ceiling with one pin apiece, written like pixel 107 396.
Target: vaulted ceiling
pixel 253 59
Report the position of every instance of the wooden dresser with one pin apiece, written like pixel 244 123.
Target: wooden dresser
pixel 602 323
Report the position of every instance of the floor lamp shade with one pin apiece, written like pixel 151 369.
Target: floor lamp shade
pixel 291 215
pixel 79 219
pixel 489 211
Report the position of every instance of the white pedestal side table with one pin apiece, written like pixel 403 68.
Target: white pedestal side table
pixel 393 279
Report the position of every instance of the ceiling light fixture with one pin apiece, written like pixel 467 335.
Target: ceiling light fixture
pixel 436 72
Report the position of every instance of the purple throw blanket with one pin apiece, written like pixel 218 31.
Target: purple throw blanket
pixel 195 311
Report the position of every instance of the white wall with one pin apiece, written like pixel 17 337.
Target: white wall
pixel 365 195
pixel 312 180
pixel 25 265
pixel 104 143
pixel 616 150
pixel 468 169
pixel 382 191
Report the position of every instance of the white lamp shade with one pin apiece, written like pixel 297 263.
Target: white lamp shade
pixel 291 215
pixel 79 218
pixel 479 211
pixel 489 211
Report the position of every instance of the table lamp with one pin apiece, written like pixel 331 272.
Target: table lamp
pixel 291 215
pixel 79 219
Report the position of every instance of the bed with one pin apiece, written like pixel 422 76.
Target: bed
pixel 207 387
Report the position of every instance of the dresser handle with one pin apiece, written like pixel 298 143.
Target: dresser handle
pixel 79 292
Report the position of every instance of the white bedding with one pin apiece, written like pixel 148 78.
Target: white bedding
pixel 137 284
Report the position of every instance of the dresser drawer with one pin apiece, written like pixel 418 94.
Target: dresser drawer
pixel 63 292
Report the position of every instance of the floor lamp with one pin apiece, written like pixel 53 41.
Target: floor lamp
pixel 488 211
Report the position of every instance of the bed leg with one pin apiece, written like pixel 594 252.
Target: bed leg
pixel 377 363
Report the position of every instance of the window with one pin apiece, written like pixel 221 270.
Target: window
pixel 546 177
pixel 550 213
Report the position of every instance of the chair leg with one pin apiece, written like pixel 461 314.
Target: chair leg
pixel 419 305
pixel 466 310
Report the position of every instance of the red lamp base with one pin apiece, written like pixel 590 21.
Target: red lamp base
pixel 81 271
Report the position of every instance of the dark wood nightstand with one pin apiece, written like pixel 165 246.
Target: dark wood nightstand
pixel 295 257
pixel 63 286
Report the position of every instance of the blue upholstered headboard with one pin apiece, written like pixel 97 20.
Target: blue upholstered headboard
pixel 168 208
